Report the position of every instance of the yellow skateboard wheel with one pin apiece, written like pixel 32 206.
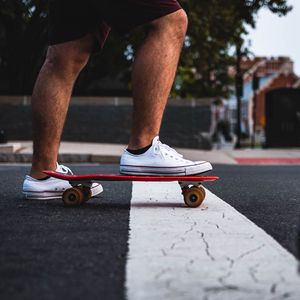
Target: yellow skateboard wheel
pixel 73 196
pixel 194 196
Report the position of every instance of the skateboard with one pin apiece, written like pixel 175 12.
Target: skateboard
pixel 191 186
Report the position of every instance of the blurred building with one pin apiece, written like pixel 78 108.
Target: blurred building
pixel 263 75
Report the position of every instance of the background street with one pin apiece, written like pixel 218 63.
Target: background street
pixel 57 252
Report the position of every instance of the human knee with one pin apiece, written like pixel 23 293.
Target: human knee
pixel 66 61
pixel 180 21
pixel 174 24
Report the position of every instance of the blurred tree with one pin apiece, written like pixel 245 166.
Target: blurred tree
pixel 215 26
pixel 22 43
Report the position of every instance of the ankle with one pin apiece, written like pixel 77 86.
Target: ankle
pixel 139 151
pixel 138 143
pixel 37 169
pixel 37 174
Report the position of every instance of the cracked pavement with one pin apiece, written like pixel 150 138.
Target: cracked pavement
pixel 210 253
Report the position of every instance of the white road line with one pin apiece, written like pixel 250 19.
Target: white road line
pixel 211 252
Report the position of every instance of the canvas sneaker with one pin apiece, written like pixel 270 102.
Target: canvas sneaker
pixel 160 159
pixel 51 188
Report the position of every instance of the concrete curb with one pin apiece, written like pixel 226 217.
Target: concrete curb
pixel 62 158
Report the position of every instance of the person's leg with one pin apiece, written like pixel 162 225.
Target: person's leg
pixel 153 74
pixel 50 99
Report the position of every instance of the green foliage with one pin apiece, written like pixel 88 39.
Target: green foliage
pixel 215 27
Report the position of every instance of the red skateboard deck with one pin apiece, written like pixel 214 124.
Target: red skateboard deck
pixel 80 192
pixel 119 177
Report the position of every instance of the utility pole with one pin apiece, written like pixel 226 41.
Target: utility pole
pixel 238 91
pixel 255 87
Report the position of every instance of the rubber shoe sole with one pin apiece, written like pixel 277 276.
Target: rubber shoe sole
pixel 51 195
pixel 166 171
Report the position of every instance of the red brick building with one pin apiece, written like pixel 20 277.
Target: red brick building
pixel 272 73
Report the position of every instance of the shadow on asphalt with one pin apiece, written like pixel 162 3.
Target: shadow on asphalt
pixel 158 204
pixel 92 204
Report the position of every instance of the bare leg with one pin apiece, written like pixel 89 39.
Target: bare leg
pixel 153 75
pixel 51 97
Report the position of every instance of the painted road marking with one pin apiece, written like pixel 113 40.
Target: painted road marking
pixel 212 252
pixel 268 160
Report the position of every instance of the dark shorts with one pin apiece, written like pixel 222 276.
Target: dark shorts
pixel 73 19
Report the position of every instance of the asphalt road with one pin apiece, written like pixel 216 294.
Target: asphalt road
pixel 267 195
pixel 49 251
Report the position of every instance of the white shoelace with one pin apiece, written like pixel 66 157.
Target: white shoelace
pixel 159 146
pixel 63 169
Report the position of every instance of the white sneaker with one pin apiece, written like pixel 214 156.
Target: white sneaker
pixel 160 159
pixel 51 188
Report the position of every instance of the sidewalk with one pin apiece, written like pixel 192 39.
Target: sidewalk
pixel 76 152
